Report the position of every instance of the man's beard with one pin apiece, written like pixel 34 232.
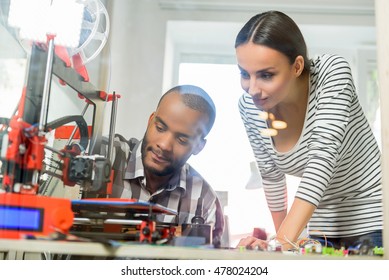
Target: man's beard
pixel 172 168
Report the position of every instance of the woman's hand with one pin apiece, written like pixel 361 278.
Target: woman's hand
pixel 253 243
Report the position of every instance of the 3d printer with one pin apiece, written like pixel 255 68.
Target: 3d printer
pixel 24 209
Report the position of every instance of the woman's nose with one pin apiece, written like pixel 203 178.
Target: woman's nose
pixel 253 88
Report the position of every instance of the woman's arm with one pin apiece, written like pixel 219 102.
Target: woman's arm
pixel 294 222
pixel 278 218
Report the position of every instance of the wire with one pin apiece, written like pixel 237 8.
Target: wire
pixel 285 241
pixel 324 236
pixel 45 185
pixel 291 243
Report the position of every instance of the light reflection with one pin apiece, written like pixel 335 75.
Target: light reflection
pixel 269 132
pixel 276 124
pixel 273 126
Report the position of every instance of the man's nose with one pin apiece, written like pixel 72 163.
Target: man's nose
pixel 165 142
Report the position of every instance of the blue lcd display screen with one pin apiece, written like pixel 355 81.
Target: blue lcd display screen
pixel 21 218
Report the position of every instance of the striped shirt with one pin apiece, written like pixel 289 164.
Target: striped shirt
pixel 183 193
pixel 336 157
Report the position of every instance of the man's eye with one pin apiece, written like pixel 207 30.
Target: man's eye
pixel 159 128
pixel 183 140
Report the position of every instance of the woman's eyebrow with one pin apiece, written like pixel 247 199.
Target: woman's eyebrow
pixel 259 71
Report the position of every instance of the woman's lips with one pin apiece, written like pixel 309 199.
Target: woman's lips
pixel 260 101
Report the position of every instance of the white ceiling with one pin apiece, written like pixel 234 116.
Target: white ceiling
pixel 351 7
pixel 343 24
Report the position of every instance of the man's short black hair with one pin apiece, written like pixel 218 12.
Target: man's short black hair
pixel 197 99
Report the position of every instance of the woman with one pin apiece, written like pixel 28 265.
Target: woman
pixel 327 140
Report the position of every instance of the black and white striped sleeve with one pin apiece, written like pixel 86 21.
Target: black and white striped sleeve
pixel 335 96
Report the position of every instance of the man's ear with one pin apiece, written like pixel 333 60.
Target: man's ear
pixel 298 65
pixel 151 118
pixel 200 146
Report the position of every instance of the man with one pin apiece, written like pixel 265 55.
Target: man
pixel 157 170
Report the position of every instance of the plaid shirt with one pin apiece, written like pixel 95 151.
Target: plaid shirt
pixel 181 194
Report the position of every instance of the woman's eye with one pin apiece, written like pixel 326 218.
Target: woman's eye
pixel 266 76
pixel 244 75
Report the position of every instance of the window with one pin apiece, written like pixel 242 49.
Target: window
pixel 225 160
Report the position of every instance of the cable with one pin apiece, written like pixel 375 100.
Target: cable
pixel 295 246
pixel 324 236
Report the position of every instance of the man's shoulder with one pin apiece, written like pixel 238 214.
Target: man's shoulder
pixel 194 175
pixel 191 171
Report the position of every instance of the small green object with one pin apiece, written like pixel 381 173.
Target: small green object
pixel 242 248
pixel 378 251
pixel 328 251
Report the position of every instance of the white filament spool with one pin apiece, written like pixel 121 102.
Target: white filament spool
pixel 94 31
